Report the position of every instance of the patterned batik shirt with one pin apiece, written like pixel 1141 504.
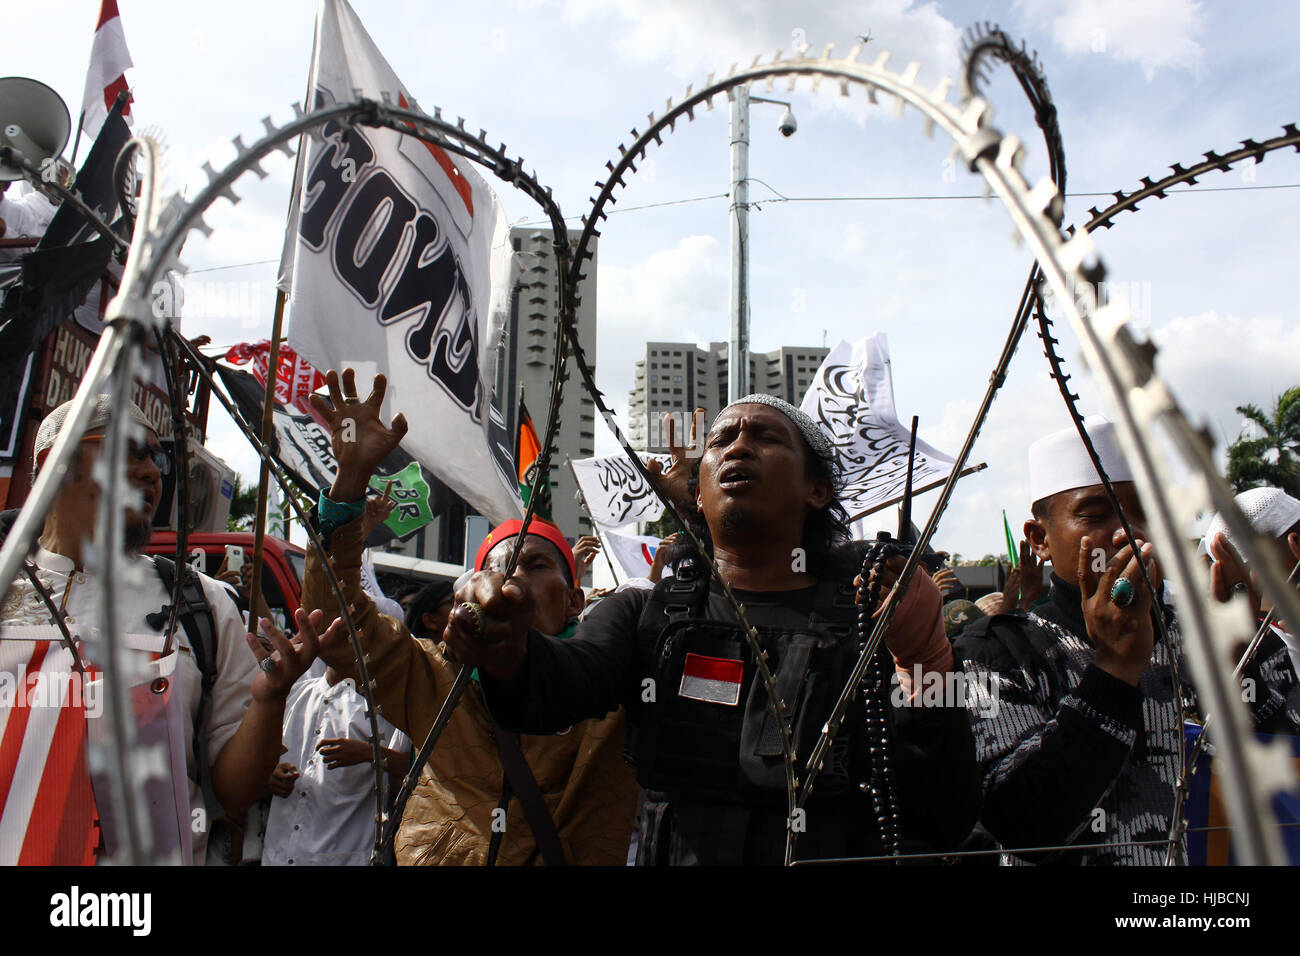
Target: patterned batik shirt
pixel 1071 755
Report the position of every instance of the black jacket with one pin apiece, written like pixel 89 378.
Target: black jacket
pixel 603 666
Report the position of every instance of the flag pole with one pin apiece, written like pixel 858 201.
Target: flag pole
pixel 264 475
pixel 272 364
pixel 77 142
pixel 905 513
pixel 594 526
pixel 969 470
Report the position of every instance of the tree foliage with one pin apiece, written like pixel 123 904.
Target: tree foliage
pixel 243 505
pixel 1272 455
pixel 665 525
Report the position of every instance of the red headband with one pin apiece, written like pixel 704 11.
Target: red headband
pixel 543 529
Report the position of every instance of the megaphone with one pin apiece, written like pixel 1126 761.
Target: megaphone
pixel 33 120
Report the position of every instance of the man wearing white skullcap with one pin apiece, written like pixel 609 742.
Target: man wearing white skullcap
pixel 1271 512
pixel 232 710
pixel 1084 742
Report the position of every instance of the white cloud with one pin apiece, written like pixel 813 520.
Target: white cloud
pixel 1213 363
pixel 695 38
pixel 658 298
pixel 1153 33
pixel 853 242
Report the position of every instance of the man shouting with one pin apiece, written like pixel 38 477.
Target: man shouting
pixel 899 777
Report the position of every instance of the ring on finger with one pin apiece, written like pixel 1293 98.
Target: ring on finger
pixel 1122 593
pixel 477 610
pixel 267 665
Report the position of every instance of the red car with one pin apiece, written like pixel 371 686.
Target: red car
pixel 283 564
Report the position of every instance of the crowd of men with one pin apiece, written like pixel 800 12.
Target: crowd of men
pixel 642 727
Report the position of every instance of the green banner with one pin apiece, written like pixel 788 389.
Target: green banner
pixel 1013 553
pixel 410 492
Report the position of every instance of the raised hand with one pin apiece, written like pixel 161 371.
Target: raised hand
pixel 1031 577
pixel 376 513
pixel 946 580
pixel 661 557
pixel 918 619
pixel 674 481
pixel 585 550
pixel 1228 573
pixel 289 657
pixel 359 438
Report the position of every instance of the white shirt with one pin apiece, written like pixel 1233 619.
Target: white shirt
pixel 329 819
pixel 78 594
pixel 25 211
pixel 370 583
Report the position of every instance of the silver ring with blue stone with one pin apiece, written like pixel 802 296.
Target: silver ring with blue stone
pixel 1122 593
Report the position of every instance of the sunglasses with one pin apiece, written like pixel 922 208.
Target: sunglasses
pixel 137 452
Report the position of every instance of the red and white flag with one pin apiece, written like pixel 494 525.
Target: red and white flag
pixel 106 78
pixel 715 680
pixel 295 377
pixel 47 806
pixel 634 553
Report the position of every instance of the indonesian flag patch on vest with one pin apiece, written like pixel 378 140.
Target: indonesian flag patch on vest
pixel 715 680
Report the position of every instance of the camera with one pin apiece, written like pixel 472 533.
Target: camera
pixel 788 124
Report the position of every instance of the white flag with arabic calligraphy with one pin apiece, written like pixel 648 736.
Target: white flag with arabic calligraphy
pixel 852 400
pixel 615 493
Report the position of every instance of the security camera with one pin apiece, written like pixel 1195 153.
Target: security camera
pixel 788 124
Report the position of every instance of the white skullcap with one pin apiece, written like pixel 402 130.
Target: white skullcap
pixel 1270 511
pixel 809 429
pixel 1060 462
pixel 101 414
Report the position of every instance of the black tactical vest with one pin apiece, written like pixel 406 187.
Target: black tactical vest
pixel 690 739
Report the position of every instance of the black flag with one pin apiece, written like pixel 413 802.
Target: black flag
pixel 56 277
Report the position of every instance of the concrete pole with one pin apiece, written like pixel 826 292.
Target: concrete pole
pixel 738 351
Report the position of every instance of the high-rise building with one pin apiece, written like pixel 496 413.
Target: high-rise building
pixel 679 377
pixel 525 363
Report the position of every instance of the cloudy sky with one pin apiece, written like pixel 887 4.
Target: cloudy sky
pixel 1138 86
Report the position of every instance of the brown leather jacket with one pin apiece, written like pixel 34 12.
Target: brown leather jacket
pixel 588 787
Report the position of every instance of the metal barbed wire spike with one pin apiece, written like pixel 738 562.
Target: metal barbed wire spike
pixel 983 149
pixel 157 242
pixel 848 71
pixel 1143 408
pixel 1157 189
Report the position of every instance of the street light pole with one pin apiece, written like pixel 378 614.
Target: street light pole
pixel 738 349
pixel 738 383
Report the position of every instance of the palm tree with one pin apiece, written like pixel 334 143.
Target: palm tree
pixel 1272 458
pixel 243 506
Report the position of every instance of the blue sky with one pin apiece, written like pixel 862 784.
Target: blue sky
pixel 1138 86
